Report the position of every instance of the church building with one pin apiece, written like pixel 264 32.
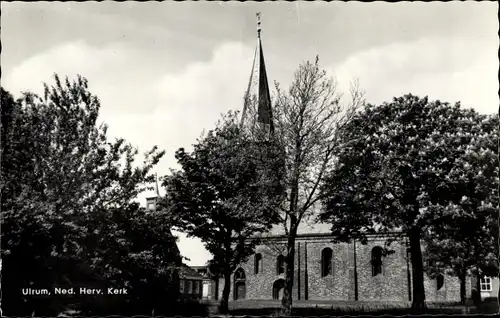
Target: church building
pixel 323 270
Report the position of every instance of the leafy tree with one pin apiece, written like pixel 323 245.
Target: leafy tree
pixel 394 167
pixel 225 194
pixel 135 250
pixel 60 174
pixel 307 120
pixel 466 239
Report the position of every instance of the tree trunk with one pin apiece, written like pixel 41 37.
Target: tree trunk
pixel 418 304
pixel 224 304
pixel 463 277
pixel 286 302
pixel 477 298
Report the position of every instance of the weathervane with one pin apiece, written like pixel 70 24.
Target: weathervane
pixel 258 24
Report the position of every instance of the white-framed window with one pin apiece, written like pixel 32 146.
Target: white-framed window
pixel 486 284
pixel 190 287
pixel 181 286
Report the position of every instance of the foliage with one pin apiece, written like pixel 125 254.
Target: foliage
pixel 395 168
pixel 226 193
pixel 140 255
pixel 307 120
pixel 62 183
pixel 466 238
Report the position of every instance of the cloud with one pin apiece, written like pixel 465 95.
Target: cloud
pixel 188 102
pixel 170 111
pixel 203 90
pixel 112 71
pixel 193 249
pixel 448 69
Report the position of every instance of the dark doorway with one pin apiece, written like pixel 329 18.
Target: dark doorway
pixel 278 288
pixel 239 291
pixel 239 284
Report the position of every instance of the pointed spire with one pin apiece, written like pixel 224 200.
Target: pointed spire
pixel 257 112
pixel 258 25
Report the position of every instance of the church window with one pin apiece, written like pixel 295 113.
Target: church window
pixel 258 263
pixel 439 282
pixel 181 286
pixel 239 274
pixel 280 265
pixel 377 261
pixel 190 287
pixel 326 262
pixel 486 284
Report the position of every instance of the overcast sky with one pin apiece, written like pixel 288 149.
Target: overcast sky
pixel 166 71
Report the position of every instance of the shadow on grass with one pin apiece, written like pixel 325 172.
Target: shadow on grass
pixel 487 307
pixel 190 309
pixel 342 312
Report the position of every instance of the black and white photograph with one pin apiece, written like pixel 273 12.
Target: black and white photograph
pixel 241 158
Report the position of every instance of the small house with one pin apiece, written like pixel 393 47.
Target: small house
pixel 190 283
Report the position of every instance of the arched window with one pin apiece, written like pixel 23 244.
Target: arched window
pixel 258 263
pixel 239 284
pixel 280 265
pixel 278 287
pixel 239 274
pixel 377 260
pixel 439 282
pixel 326 262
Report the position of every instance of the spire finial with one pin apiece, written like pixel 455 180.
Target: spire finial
pixel 258 24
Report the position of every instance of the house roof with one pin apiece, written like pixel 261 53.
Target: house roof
pixel 188 272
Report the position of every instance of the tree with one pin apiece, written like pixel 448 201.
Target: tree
pixel 307 119
pixel 59 175
pixel 394 168
pixel 466 241
pixel 225 194
pixel 134 249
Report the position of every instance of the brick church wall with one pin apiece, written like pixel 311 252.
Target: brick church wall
pixel 335 285
pixel 449 292
pixel 392 285
pixel 260 285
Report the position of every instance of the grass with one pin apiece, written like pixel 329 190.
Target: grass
pixel 361 308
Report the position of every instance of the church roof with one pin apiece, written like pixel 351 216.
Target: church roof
pixel 257 110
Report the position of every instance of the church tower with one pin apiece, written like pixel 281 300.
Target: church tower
pixel 257 112
pixel 152 201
